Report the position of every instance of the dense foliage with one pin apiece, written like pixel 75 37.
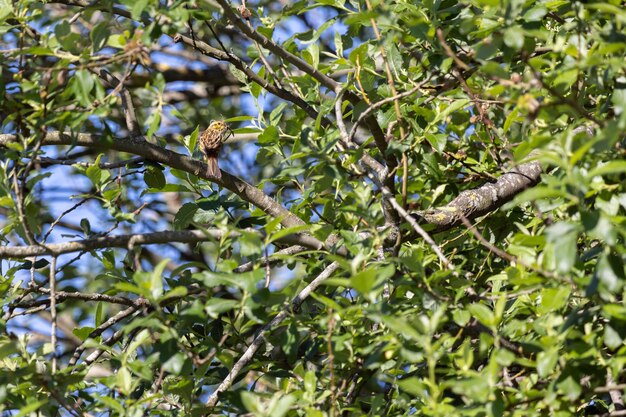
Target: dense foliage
pixel 421 210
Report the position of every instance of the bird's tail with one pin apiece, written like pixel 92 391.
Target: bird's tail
pixel 213 170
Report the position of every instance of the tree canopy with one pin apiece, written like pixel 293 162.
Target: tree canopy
pixel 421 210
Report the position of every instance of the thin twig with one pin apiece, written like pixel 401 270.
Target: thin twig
pixel 106 325
pixel 378 105
pixel 63 295
pixel 450 52
pixel 304 66
pixel 420 231
pixel 102 165
pixel 504 255
pixel 58 219
pixel 127 100
pixel 53 312
pixel 273 259
pixel 259 339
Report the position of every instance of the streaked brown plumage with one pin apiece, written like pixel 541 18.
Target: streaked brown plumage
pixel 210 142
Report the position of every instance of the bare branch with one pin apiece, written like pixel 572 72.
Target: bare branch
pixel 378 105
pixel 253 76
pixel 106 325
pixel 53 312
pixel 156 153
pixel 277 49
pixel 125 241
pixel 482 200
pixel 63 295
pixel 127 100
pixel 260 337
pixel 274 259
pixel 420 231
pixel 304 66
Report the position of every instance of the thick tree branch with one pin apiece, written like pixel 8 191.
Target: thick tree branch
pixel 172 159
pixel 127 241
pixel 64 295
pixel 482 200
pixel 217 75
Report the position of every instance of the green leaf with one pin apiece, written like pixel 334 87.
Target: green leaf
pixel 250 243
pixel 513 116
pixel 282 406
pixel 216 306
pixel 269 135
pixel 564 237
pixel 155 122
pixel 483 314
pixel 177 292
pixel 124 380
pixel 246 281
pixel 286 232
pixel 310 382
pixel 609 168
pixel 138 6
pixel 610 272
pixel 535 14
pixel 546 361
pixel 370 281
pixel 99 316
pixel 412 386
pixel 441 116
pixel 83 332
pixel 553 299
pixel 154 177
pixel 612 338
pixel 117 41
pixel 514 37
pixel 97 176
pixel 31 407
pixel 99 35
pixel 185 215
pixel 85 83
pixel 112 403
pixel 156 279
pixel 6 9
pixel 175 364
pixel 401 327
pixel 250 402
pixel 437 141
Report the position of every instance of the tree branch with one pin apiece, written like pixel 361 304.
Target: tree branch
pixel 304 66
pixel 484 199
pixel 172 159
pixel 106 325
pixel 277 49
pixel 274 259
pixel 64 295
pixel 253 76
pixel 126 241
pixel 260 337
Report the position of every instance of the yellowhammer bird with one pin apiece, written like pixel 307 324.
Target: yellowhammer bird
pixel 210 144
